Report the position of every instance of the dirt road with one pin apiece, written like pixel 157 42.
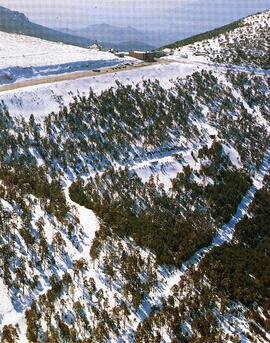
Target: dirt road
pixel 76 75
pixel 121 68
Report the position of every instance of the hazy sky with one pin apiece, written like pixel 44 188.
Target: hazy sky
pixel 183 16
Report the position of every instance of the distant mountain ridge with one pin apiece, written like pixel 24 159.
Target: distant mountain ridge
pixel 120 38
pixel 17 22
pixel 114 34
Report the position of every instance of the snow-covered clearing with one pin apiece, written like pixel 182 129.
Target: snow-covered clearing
pixel 88 221
pixel 8 314
pixel 24 57
pixel 203 61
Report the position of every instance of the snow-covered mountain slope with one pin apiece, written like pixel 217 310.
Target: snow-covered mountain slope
pixel 245 43
pixel 68 275
pixel 28 57
pixel 140 211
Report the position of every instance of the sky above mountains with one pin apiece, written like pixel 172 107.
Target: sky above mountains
pixel 177 17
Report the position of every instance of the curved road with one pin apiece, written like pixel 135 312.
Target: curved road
pixel 76 75
pixel 121 68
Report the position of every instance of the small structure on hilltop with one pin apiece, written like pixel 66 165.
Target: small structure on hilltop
pixel 167 51
pixel 121 54
pixel 117 53
pixel 147 56
pixel 95 46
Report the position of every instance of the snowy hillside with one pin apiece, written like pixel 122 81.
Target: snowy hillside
pixel 134 207
pixel 246 43
pixel 72 275
pixel 27 57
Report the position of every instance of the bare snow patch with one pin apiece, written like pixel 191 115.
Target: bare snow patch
pixel 29 57
pixel 233 155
